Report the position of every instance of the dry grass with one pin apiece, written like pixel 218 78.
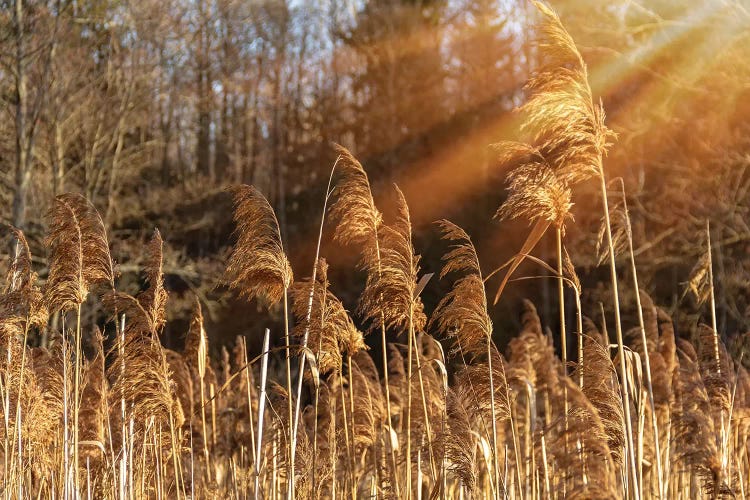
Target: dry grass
pixel 656 417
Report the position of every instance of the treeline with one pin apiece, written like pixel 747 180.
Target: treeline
pixel 110 96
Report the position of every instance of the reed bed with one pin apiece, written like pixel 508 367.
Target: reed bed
pixel 644 413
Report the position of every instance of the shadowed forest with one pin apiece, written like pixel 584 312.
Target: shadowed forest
pixel 360 249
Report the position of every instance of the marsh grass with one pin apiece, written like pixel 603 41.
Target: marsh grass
pixel 138 420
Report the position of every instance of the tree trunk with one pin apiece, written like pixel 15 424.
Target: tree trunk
pixel 203 147
pixel 22 174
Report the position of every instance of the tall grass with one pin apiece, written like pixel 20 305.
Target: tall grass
pixel 138 420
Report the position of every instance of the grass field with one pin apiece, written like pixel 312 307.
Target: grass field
pixel 111 413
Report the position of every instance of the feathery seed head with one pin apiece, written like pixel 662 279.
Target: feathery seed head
pixel 258 266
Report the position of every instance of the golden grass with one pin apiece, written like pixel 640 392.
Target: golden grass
pixel 141 421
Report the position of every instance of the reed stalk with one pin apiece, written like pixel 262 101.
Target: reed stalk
pixel 646 356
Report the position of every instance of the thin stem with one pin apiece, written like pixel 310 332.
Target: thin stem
pixel 579 333
pixel 713 298
pixel 306 335
pixel 18 406
pixel 495 463
pixel 427 425
pixel 203 424
pixel 351 416
pixel 261 410
pixel 290 407
pixel 249 396
pixel 349 444
pixel 180 488
pixel 315 441
pixel 724 424
pixel 76 399
pixel 646 355
pixel 563 336
pixel 618 331
pixel 123 414
pixel 561 301
pixel 407 461
pixel 386 382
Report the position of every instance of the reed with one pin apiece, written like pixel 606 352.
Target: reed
pixel 104 410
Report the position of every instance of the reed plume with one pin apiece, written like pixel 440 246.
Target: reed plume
pixel 531 354
pixel 694 428
pixel 717 382
pixel 537 193
pixel 20 274
pixel 589 471
pixel 393 299
pixel 48 371
pixel 195 351
pixel 154 298
pixel 79 258
pixel 79 252
pixel 560 113
pixel 182 378
pixel 369 410
pixel 21 295
pixel 391 292
pixel 567 137
pixel 600 387
pixel 146 382
pixel 530 321
pixel 330 330
pixel 462 313
pixel 698 284
pixel 324 442
pixel 455 441
pixel 472 385
pixel 540 195
pixel 667 341
pixel 195 354
pixel 47 366
pixel 650 321
pixel 94 399
pixel 258 266
pixel 357 219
